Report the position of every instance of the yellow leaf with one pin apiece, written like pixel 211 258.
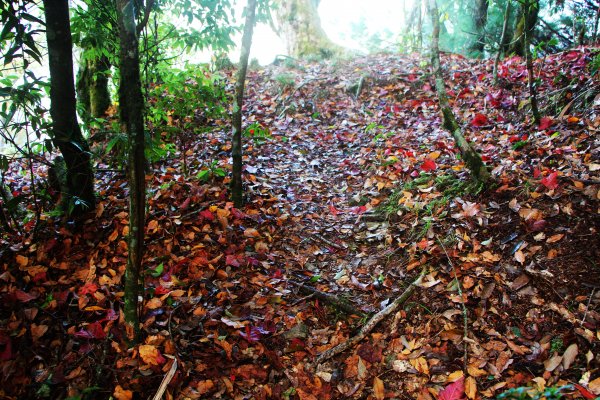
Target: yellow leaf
pixel 434 155
pixel 149 354
pixel 470 387
pixel 476 372
pixel 378 389
pixel 420 364
pixel 456 375
pixel 204 387
pixel 122 394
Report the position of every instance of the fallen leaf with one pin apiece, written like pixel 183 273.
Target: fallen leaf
pixel 122 394
pixel 453 391
pixel 378 388
pixel 569 356
pixel 151 355
pixel 471 387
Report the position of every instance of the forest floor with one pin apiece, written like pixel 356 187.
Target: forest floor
pixel 349 198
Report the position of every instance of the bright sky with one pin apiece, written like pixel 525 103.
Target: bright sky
pixel 337 18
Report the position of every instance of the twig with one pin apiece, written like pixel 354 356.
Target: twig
pixel 368 327
pixel 587 307
pixel 328 297
pixel 463 306
pixel 327 242
pixel 166 380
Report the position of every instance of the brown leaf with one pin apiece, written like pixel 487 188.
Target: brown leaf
pixel 37 331
pixel 150 355
pixel 569 356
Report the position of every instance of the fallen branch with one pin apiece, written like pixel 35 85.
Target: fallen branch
pixel 166 380
pixel 335 301
pixel 368 327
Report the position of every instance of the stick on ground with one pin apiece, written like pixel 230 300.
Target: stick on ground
pixel 368 327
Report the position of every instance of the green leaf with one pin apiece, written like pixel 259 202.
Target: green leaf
pixel 158 271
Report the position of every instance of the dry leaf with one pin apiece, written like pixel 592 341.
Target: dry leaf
pixel 569 356
pixel 122 394
pixel 154 303
pixel 553 362
pixel 471 387
pixel 150 354
pixel 378 389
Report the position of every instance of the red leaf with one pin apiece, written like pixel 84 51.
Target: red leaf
pixel 334 210
pixel 479 120
pixel 551 181
pixel 93 331
pixel 584 392
pixel 88 288
pixel 545 123
pixel 453 391
pixel 358 210
pixel 429 165
pixel 252 334
pixel 23 296
pixel 206 214
pixel 232 260
pixel 185 204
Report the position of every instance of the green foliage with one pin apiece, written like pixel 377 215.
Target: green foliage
pixel 594 65
pixel 185 99
pixel 257 132
pixel 527 393
pixel 285 80
pixel 211 172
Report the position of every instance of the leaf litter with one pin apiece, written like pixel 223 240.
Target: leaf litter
pixel 351 194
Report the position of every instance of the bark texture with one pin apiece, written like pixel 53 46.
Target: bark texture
pixel 92 82
pixel 530 78
pixel 471 157
pixel 299 26
pixel 527 18
pixel 236 147
pixel 502 43
pixel 66 133
pixel 132 106
pixel 480 14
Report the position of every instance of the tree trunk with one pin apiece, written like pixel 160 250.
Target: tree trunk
pixel 92 83
pixel 131 93
pixel 527 18
pixel 502 43
pixel 66 133
pixel 236 148
pixel 530 76
pixel 299 26
pixel 479 13
pixel 470 156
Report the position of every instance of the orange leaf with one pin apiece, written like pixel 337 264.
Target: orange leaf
pixel 151 355
pixel 378 389
pixel 22 260
pixel 122 394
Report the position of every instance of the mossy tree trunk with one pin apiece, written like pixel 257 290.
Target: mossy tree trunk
pixel 299 25
pixel 527 18
pixel 236 148
pixel 471 157
pixel 132 106
pixel 92 81
pixel 66 133
pixel 479 14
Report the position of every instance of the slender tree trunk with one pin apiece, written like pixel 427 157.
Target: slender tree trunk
pixel 502 43
pixel 66 133
pixel 480 14
pixel 236 147
pixel 419 25
pixel 530 76
pixel 133 104
pixel 469 154
pixel 596 20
